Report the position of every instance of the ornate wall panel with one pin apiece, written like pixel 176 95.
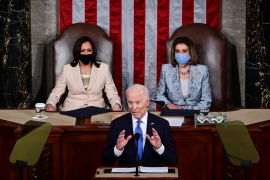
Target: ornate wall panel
pixel 15 54
pixel 257 60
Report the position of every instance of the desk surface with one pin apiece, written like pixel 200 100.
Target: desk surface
pixel 21 116
pixel 248 116
pixel 74 151
pixel 103 175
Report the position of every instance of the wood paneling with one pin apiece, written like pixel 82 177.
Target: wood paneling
pixel 43 169
pixel 74 152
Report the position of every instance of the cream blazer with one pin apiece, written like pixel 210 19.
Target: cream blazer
pixel 77 96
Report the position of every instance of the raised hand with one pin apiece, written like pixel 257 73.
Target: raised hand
pixel 155 141
pixel 121 141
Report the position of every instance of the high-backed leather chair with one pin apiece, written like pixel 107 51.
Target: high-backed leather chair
pixel 211 50
pixel 63 48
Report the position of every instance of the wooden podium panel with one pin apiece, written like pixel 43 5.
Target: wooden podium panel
pixel 129 176
pixel 74 152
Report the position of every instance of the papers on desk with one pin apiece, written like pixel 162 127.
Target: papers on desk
pixel 154 169
pixel 123 170
pixel 175 121
pixel 141 169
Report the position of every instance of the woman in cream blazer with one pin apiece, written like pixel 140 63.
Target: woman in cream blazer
pixel 84 93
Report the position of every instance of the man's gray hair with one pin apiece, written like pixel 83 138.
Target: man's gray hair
pixel 137 87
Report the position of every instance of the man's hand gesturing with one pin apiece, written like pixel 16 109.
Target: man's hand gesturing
pixel 155 141
pixel 121 141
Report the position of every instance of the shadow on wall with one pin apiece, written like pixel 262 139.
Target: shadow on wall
pixel 233 84
pixel 39 77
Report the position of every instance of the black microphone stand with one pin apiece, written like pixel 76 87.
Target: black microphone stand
pixel 21 165
pixel 246 165
pixel 137 137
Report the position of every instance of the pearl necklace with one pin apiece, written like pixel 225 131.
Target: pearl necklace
pixel 183 72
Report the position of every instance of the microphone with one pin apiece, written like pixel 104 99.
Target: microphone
pixel 137 137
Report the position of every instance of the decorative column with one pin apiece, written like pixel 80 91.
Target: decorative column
pixel 15 54
pixel 258 54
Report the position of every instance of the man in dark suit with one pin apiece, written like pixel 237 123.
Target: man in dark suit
pixel 155 144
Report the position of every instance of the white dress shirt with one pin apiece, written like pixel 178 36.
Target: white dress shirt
pixel 143 126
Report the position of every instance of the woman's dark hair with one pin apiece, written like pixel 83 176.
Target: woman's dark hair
pixel 77 51
pixel 185 40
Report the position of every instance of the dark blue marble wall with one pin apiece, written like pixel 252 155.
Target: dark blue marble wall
pixel 15 54
pixel 258 53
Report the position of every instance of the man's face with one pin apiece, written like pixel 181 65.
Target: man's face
pixel 137 103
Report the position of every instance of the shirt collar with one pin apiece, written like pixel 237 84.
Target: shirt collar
pixel 144 119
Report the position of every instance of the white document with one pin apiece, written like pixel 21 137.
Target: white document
pixel 154 169
pixel 175 121
pixel 123 170
pixel 141 169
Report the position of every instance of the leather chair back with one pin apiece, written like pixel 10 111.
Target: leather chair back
pixel 63 46
pixel 211 50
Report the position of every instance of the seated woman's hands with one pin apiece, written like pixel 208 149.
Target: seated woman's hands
pixel 173 106
pixel 50 107
pixel 116 107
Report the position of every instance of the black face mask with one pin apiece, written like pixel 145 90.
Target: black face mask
pixel 86 59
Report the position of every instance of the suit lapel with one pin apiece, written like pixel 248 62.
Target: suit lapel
pixel 150 125
pixel 177 82
pixel 192 79
pixel 93 77
pixel 129 131
pixel 78 77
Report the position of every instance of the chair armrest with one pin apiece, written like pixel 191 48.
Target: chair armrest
pixel 230 102
pixel 160 103
pixel 106 99
pixel 62 99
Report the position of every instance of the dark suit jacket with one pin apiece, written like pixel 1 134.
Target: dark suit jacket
pixel 150 157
